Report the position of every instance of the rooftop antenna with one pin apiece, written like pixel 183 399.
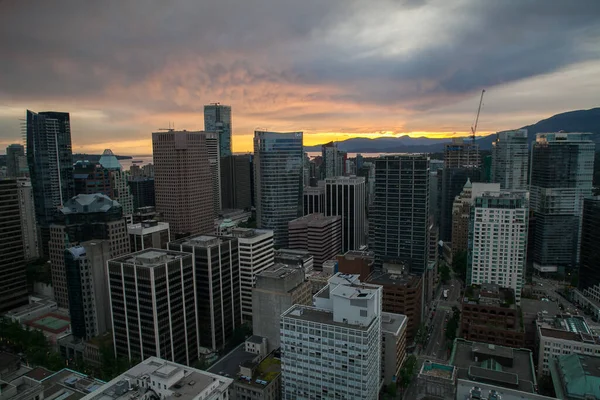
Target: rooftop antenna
pixel 170 129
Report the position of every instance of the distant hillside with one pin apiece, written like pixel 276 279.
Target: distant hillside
pixel 571 121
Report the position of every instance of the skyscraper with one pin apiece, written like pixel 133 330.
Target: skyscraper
pixel 562 167
pixel 400 211
pixel 14 159
pixel 346 196
pixel 85 266
pixel 182 181
pixel 314 198
pixel 85 217
pixel 119 181
pixel 589 273
pixel 217 118
pixel 449 186
pixel 345 327
pixel 142 191
pixel 28 223
pixel 255 255
pixel 278 176
pixel 333 161
pixel 13 281
pixel 321 236
pixel 461 154
pixel 153 304
pixel 217 274
pixel 510 160
pixel 498 240
pixel 212 146
pixel 236 182
pixel 50 161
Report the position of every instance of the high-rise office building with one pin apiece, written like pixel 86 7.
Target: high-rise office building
pixel 149 234
pixel 83 218
pixel 450 184
pixel 119 181
pixel 217 286
pixel 461 212
pixel 321 236
pixel 217 118
pixel 498 240
pixel 142 191
pixel 562 168
pixel 510 160
pixel 589 273
pixel 278 181
pixel 50 161
pixel 236 182
pixel 212 146
pixel 346 323
pixel 85 269
pixel 346 196
pixel 182 181
pixel 367 171
pixel 28 223
pixel 13 283
pixel 153 306
pixel 461 154
pixel 92 178
pixel 255 255
pixel 400 211
pixel 314 198
pixel 278 287
pixel 15 154
pixel 334 161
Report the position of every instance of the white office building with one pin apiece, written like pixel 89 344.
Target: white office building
pixel 333 350
pixel 498 240
pixel 510 159
pixel 155 378
pixel 346 196
pixel 256 254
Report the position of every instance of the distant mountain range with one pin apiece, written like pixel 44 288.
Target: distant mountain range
pixel 571 121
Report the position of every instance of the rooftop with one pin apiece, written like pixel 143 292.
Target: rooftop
pixel 576 376
pixel 278 271
pixel 392 323
pixel 250 233
pixel 315 220
pixel 491 295
pixel 532 307
pixel 293 254
pixel 497 365
pixel 438 370
pixel 51 322
pixel 89 203
pixel 567 327
pixel 36 303
pixel 184 383
pixel 352 254
pixel 109 161
pixel 230 364
pixel 151 257
pixel 262 373
pixel 67 384
pixel 389 278
pixel 146 227
pixel 313 314
pixel 204 241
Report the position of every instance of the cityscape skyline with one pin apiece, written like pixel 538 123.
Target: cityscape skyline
pixel 419 68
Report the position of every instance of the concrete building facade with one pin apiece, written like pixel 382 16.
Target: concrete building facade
pixel 341 355
pixel 182 175
pixel 217 274
pixel 28 222
pixel 237 182
pixel 153 306
pixel 510 160
pixel 321 236
pixel 356 263
pixel 255 255
pixel 314 198
pixel 346 196
pixel 277 289
pixel 393 346
pixel 148 234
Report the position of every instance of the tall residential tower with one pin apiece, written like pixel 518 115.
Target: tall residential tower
pixel 510 160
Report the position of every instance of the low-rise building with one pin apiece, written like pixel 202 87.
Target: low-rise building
pixel 560 335
pixel 531 310
pixel 321 236
pixel 436 381
pixel 53 325
pixel 37 306
pixel 576 377
pixel 158 378
pixel 393 346
pixel 258 380
pixel 149 234
pixel 484 363
pixel 70 385
pixel 356 262
pixel 296 258
pixel 402 294
pixel 489 315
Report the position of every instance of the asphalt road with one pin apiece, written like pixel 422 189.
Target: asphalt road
pixel 436 344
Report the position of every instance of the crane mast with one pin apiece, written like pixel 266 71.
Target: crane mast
pixel 474 127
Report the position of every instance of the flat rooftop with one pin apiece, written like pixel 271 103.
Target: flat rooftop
pixel 146 228
pixel 313 314
pixel 67 384
pixel 52 322
pixel 201 241
pixel 532 307
pixel 390 278
pixel 490 294
pixel 230 364
pixel 315 219
pixel 250 233
pixel 189 386
pixel 391 323
pixel 568 327
pixel 293 254
pixel 496 365
pixel 438 370
pixel 278 271
pixel 151 257
pixel 36 303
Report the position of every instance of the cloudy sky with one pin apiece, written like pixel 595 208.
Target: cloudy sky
pixel 331 68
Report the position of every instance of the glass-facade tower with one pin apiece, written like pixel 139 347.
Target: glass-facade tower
pixel 217 118
pixel 278 176
pixel 510 160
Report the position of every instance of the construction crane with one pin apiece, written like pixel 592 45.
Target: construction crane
pixel 169 128
pixel 474 127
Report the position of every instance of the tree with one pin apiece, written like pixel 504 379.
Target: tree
pixel 421 336
pixel 407 371
pixel 445 274
pixel 391 390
